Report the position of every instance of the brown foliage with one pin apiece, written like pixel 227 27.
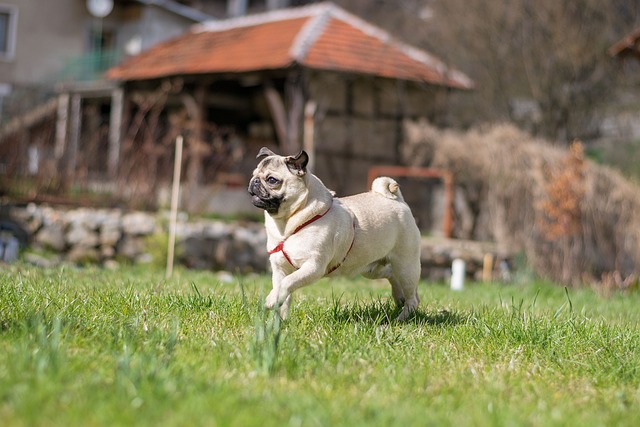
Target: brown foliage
pixel 574 220
pixel 561 214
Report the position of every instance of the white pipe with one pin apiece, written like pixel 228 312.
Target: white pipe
pixel 458 268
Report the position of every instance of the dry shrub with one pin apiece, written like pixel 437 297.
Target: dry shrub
pixel 576 222
pixel 564 192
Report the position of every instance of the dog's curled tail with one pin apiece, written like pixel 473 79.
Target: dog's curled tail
pixel 387 187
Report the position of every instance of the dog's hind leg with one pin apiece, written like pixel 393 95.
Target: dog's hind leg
pixel 284 308
pixel 382 269
pixel 404 281
pixel 397 292
pixel 409 307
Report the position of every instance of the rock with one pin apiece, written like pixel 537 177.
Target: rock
pixel 86 218
pixel 111 229
pixel 131 247
pixel 144 258
pixel 197 252
pixel 107 251
pixel 51 236
pixel 225 277
pixel 78 235
pixel 83 255
pixel 251 235
pixel 30 217
pixel 216 230
pixel 51 216
pixel 41 261
pixel 240 256
pixel 111 264
pixel 109 235
pixel 138 223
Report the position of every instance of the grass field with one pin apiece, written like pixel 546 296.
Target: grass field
pixel 93 347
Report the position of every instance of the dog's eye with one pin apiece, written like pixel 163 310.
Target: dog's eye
pixel 272 181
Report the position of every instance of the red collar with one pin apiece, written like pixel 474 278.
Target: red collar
pixel 314 219
pixel 280 246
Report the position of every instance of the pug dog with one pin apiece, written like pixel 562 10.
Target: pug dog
pixel 312 234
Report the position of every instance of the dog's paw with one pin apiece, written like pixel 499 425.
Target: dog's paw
pixel 283 311
pixel 276 298
pixel 404 314
pixel 272 300
pixel 284 308
pixel 409 308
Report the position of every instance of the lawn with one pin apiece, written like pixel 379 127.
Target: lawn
pixel 92 347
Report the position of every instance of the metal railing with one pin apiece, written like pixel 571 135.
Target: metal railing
pixel 89 66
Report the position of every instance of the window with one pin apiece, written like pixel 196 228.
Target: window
pixel 8 17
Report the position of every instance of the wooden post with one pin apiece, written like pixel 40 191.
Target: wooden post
pixel 449 190
pixel 418 172
pixel 74 133
pixel 487 267
pixel 278 113
pixel 175 193
pixel 62 124
pixel 296 113
pixel 196 148
pixel 308 142
pixel 115 132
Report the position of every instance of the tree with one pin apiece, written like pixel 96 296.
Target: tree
pixel 550 53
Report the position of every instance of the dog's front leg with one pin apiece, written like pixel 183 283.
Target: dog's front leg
pixel 276 279
pixel 280 296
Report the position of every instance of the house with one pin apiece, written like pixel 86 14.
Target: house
pixel 52 56
pixel 64 42
pixel 314 77
pixel 54 103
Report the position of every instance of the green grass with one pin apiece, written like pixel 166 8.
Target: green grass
pixel 93 347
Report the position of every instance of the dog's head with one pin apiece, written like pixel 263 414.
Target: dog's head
pixel 278 183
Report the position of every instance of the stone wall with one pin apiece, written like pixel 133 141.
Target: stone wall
pixel 111 236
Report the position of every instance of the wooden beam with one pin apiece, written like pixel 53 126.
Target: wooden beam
pixel 296 113
pixel 308 142
pixel 278 113
pixel 115 131
pixel 30 118
pixel 74 133
pixel 62 125
pixel 420 172
pixel 196 148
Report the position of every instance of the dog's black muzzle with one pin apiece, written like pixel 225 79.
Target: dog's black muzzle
pixel 261 198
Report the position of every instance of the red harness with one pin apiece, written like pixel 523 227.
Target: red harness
pixel 280 246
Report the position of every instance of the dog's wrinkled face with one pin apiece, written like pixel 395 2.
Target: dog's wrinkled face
pixel 278 181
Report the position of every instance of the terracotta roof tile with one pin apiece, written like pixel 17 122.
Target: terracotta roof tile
pixel 346 48
pixel 321 36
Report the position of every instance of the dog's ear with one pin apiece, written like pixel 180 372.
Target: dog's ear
pixel 265 152
pixel 298 164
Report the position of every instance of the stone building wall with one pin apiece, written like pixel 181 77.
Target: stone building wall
pixel 359 125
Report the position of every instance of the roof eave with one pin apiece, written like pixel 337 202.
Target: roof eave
pixel 179 9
